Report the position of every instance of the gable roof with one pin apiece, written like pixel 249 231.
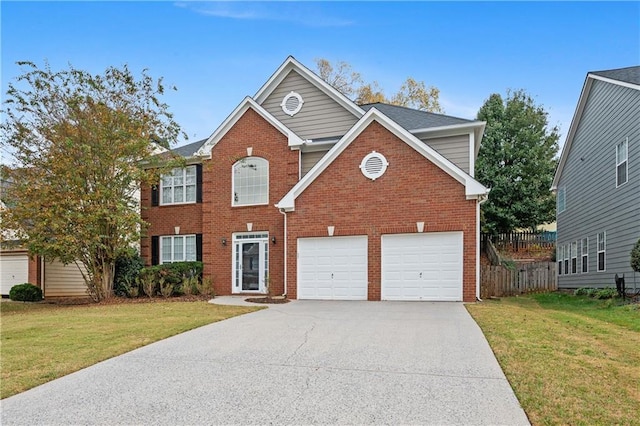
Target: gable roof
pixel 626 77
pixel 291 64
pixel 232 119
pixel 473 188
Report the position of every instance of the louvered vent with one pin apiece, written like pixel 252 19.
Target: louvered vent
pixel 374 165
pixel 292 103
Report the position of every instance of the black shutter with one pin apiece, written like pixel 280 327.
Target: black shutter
pixel 199 247
pixel 155 250
pixel 198 183
pixel 155 196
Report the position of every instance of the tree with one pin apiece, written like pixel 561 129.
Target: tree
pixel 517 161
pixel 412 93
pixel 635 257
pixel 78 140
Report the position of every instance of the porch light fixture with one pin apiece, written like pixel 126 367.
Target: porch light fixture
pixel 224 241
pixel 420 226
pixel 273 240
pixel 330 230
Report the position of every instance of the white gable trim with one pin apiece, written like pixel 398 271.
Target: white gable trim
pixel 473 188
pixel 577 116
pixel 292 64
pixel 248 103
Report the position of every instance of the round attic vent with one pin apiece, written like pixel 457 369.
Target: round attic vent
pixel 374 165
pixel 292 103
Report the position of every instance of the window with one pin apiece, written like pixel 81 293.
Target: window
pixel 561 200
pixel 179 186
pixel 622 157
pixel 250 182
pixel 574 257
pixel 560 258
pixel 178 248
pixel 566 259
pixel 585 255
pixel 602 251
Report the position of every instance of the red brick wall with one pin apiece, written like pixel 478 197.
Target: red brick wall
pixel 220 220
pixel 412 190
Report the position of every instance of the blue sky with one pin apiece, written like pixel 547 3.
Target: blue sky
pixel 218 53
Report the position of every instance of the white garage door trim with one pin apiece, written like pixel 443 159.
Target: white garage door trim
pixel 422 266
pixel 14 269
pixel 333 268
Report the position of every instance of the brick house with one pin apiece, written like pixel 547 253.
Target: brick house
pixel 319 198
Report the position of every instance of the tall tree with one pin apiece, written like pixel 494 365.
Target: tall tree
pixel 517 161
pixel 78 140
pixel 412 93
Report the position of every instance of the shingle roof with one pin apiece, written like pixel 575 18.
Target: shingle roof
pixel 190 149
pixel 413 119
pixel 627 75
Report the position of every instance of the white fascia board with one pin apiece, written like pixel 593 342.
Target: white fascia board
pixel 473 188
pixel 577 115
pixel 613 81
pixel 292 64
pixel 232 119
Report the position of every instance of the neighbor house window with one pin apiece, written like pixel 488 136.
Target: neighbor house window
pixel 560 258
pixel 574 257
pixel 250 182
pixel 602 251
pixel 585 255
pixel 622 161
pixel 561 200
pixel 179 186
pixel 566 259
pixel 178 248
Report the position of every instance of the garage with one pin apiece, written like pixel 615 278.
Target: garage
pixel 14 269
pixel 63 280
pixel 332 268
pixel 425 266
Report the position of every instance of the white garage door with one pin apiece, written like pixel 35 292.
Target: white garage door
pixel 332 268
pixel 14 269
pixel 422 266
pixel 63 280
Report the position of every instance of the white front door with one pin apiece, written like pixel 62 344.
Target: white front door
pixel 250 262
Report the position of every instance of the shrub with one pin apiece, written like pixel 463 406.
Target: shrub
pixel 635 257
pixel 584 291
pixel 166 288
pixel 128 266
pixel 25 293
pixel 606 293
pixel 147 280
pixel 205 287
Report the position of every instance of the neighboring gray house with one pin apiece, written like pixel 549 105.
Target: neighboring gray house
pixel 597 183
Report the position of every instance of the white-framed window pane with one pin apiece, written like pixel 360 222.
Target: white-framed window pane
pixel 179 186
pixel 166 196
pixel 190 195
pixel 250 181
pixel 166 249
pixel 178 249
pixel 190 248
pixel 178 194
pixel 561 200
pixel 622 157
pixel 602 247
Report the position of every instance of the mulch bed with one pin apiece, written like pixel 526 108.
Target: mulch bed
pixel 123 300
pixel 276 300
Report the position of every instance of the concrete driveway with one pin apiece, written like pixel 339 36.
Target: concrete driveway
pixel 305 362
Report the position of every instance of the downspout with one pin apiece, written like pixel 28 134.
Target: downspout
pixel 284 213
pixel 481 200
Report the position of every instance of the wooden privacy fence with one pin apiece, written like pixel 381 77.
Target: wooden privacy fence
pixel 527 240
pixel 498 281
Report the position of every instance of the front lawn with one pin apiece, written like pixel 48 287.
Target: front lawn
pixel 571 360
pixel 41 342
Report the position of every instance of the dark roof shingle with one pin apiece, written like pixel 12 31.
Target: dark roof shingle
pixel 413 119
pixel 627 75
pixel 190 149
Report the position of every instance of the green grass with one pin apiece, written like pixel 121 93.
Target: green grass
pixel 41 342
pixel 570 360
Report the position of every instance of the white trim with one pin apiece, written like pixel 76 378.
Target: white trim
pixel 368 173
pixel 583 255
pixel 233 183
pixel 262 239
pixel 184 185
pixel 477 255
pixel 298 107
pixel 246 104
pixel 613 81
pixel 161 260
pixel 619 163
pixel 562 190
pixel 291 64
pixel 473 188
pixel 472 157
pixel 598 251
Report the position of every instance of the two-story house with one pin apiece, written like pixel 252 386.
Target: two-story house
pixel 597 183
pixel 319 198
